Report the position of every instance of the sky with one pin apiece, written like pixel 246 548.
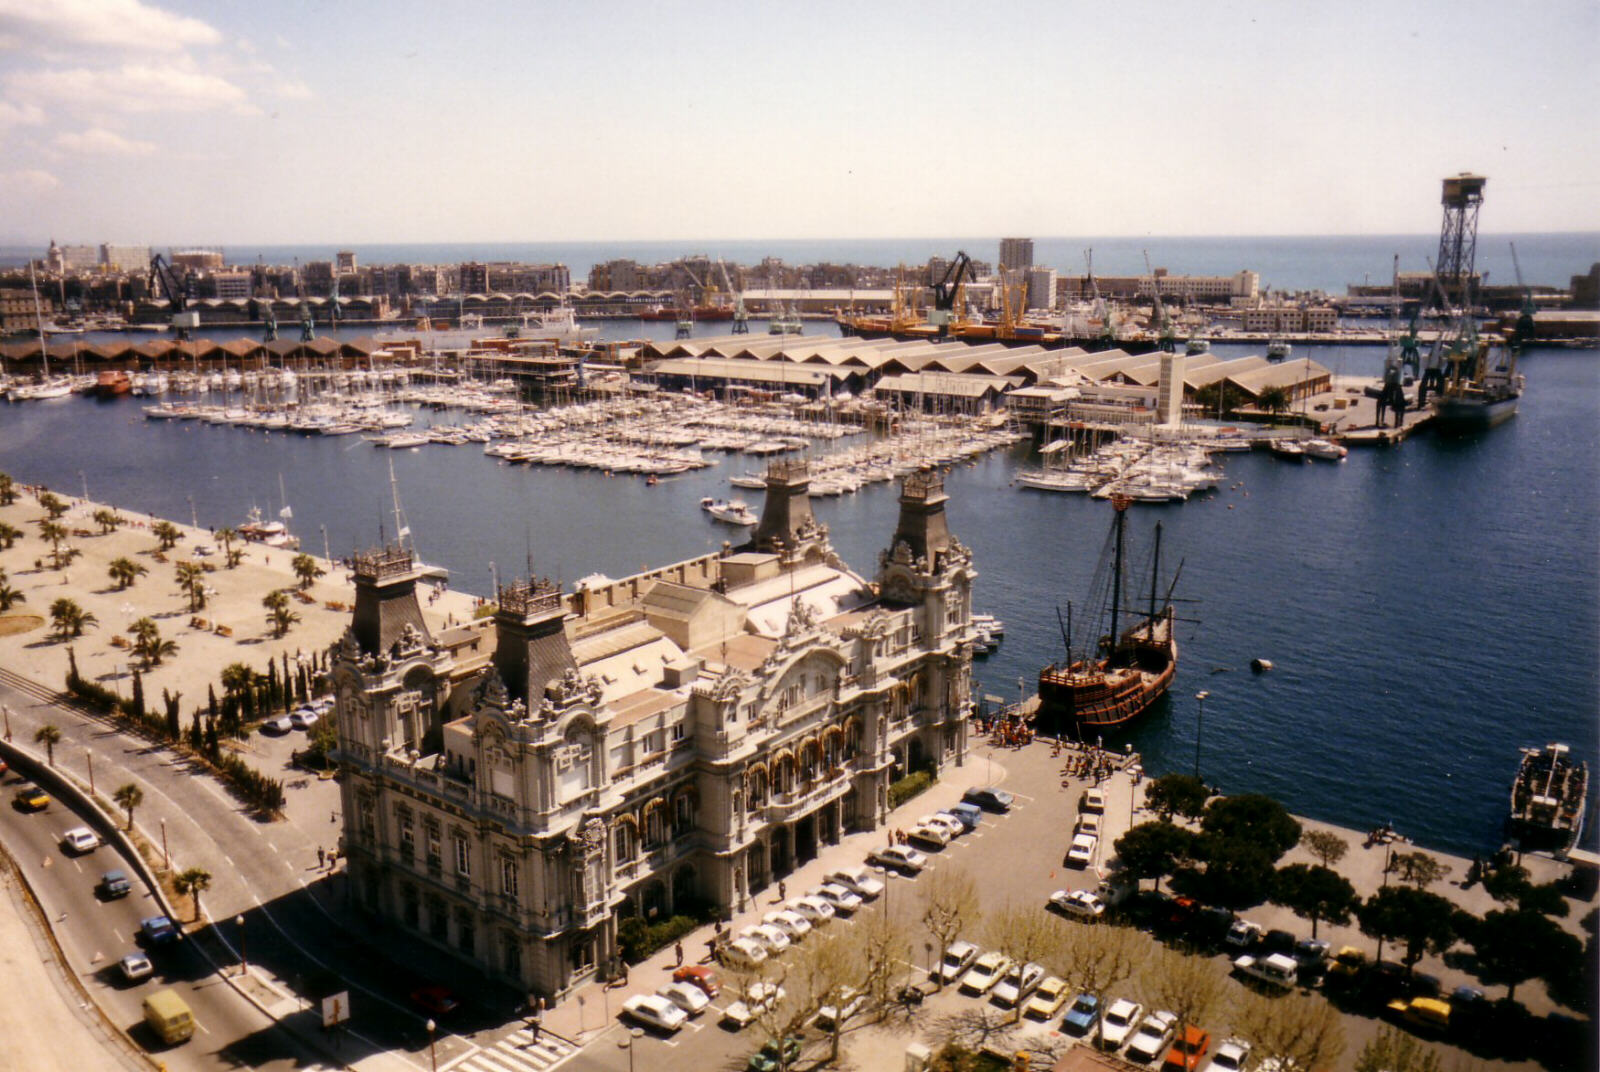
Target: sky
pixel 284 121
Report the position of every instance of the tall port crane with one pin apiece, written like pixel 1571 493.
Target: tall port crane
pixel 947 294
pixel 1523 333
pixel 741 319
pixel 1163 323
pixel 1108 329
pixel 165 281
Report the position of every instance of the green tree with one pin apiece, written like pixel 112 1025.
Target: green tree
pixel 229 555
pixel 8 489
pixel 1181 794
pixel 70 620
pixel 9 596
pixel 279 615
pixel 1276 400
pixel 1315 893
pixel 53 504
pixel 56 533
pixel 125 570
pixel 1329 848
pixel 1513 946
pixel 1418 868
pixel 192 882
pixel 1253 818
pixel 9 535
pixel 192 582
pixel 108 520
pixel 48 735
pixel 1232 872
pixel 305 567
pixel 167 534
pixel 147 642
pixel 1154 850
pixel 1419 921
pixel 128 797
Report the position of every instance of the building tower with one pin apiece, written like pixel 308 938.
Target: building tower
pixel 1016 254
pixel 1458 235
pixel 788 529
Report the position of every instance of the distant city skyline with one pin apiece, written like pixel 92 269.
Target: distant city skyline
pixel 136 122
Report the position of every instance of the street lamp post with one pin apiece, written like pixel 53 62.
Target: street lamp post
pixel 85 485
pixel 244 957
pixel 194 518
pixel 89 758
pixel 166 857
pixel 1199 728
pixel 433 1062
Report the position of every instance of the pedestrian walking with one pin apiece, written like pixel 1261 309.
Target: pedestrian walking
pixel 677 951
pixel 783 890
pixel 322 857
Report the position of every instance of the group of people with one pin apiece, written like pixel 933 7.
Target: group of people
pixel 1005 731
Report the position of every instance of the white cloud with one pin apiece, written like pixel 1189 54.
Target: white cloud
pixel 133 88
pixel 123 25
pixel 98 141
pixel 293 89
pixel 18 115
pixel 28 182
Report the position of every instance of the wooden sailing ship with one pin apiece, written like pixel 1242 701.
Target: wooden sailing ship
pixel 1548 798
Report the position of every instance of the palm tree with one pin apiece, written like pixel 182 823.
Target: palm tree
pixel 53 504
pixel 305 567
pixel 108 520
pixel 9 596
pixel 147 642
pixel 236 678
pixel 166 532
pixel 125 570
pixel 9 534
pixel 192 580
pixel 1274 400
pixel 128 796
pixel 8 490
pixel 229 555
pixel 69 619
pixel 55 532
pixel 279 616
pixel 49 736
pixel 192 882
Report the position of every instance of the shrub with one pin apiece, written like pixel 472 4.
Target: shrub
pixel 637 938
pixel 908 787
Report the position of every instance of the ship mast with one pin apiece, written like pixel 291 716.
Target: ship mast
pixel 1120 504
pixel 1155 571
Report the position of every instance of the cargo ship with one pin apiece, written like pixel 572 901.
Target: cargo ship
pixel 700 313
pixel 1479 393
pixel 1548 798
pixel 1130 669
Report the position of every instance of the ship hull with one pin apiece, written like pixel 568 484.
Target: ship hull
pixel 1088 701
pixel 1549 800
pixel 1092 343
pixel 1472 415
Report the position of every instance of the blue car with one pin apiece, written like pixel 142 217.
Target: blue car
pixel 1082 1015
pixel 158 930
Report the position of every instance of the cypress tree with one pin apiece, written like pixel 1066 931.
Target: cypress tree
pixel 137 703
pixel 174 722
pixel 211 700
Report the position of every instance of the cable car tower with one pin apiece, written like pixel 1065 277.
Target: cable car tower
pixel 1458 235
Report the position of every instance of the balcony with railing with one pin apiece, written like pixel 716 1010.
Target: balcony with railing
pixel 781 807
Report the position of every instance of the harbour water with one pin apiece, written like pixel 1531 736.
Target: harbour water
pixel 1429 608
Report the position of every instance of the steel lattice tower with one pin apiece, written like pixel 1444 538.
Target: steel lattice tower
pixel 1458 235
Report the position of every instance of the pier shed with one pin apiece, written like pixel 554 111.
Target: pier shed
pixel 1301 379
pixel 946 392
pixel 722 373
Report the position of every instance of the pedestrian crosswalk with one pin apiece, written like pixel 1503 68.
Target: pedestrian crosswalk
pixel 517 1052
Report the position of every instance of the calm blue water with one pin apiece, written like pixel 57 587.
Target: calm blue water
pixel 1429 608
pixel 1325 263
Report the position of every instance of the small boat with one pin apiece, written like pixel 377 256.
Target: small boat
pixel 270 533
pixel 1292 449
pixel 1278 349
pixel 1325 449
pixel 730 511
pixel 754 481
pixel 1548 799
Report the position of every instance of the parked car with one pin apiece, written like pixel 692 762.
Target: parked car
pixel 1083 1016
pixel 1088 823
pixel 793 924
pixel 1232 1056
pixel 1189 1048
pixel 859 881
pixel 742 954
pixel 816 910
pixel 988 798
pixel 847 1004
pixel 1079 903
pixel 1017 984
pixel 653 1010
pixel 899 857
pixel 1244 934
pixel 136 966
pixel 927 833
pixel 767 1058
pixel 277 727
pixel 303 718
pixel 1113 893
pixel 1121 1017
pixel 158 930
pixel 1274 969
pixel 1209 926
pixel 758 997
pixel 1426 1015
pixel 1347 964
pixel 701 975
pixel 1151 1040
pixel 435 1000
pixel 954 826
pixel 840 897
pixel 1081 854
pixel 984 973
pixel 967 814
pixel 80 839
pixel 32 798
pixel 686 996
pixel 958 957
pixel 114 884
pixel 770 938
pixel 1047 998
pixel 1094 801
pixel 1278 941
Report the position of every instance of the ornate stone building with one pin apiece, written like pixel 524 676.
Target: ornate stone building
pixel 671 741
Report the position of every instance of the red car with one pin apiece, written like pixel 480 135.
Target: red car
pixel 436 1000
pixel 700 975
pixel 1188 1050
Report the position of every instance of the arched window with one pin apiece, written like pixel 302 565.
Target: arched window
pixel 626 842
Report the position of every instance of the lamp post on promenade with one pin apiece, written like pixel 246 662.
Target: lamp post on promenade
pixel 1199 728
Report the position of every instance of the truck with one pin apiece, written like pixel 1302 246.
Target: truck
pixel 169 1017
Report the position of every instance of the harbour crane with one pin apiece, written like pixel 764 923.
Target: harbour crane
pixel 741 319
pixel 164 279
pixel 1108 329
pixel 947 294
pixel 1523 333
pixel 1163 323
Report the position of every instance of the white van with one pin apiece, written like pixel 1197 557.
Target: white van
pixel 1274 969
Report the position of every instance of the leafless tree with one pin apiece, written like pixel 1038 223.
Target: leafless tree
pixel 1099 957
pixel 949 906
pixel 1298 1030
pixel 1190 987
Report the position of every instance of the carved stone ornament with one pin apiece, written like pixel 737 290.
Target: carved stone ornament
pixel 802 618
pixel 590 840
pixel 491 691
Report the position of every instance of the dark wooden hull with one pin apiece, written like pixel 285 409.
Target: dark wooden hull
pixel 1088 700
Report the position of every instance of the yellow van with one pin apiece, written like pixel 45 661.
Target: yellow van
pixel 169 1016
pixel 1428 1014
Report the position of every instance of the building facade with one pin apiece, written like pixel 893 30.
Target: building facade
pixel 673 742
pixel 1016 253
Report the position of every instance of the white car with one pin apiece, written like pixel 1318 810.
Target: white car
pixel 303 718
pixel 841 898
pixel 899 857
pixel 848 1004
pixel 742 954
pixel 1094 801
pixel 1016 985
pixel 1231 1056
pixel 791 923
pixel 81 839
pixel 1118 1023
pixel 1080 903
pixel 1243 934
pixel 1081 854
pixel 277 727
pixel 1089 823
pixel 1051 994
pixel 957 959
pixel 653 1010
pixel 1113 893
pixel 686 996
pixel 1152 1038
pixel 773 939
pixel 136 966
pixel 1274 969
pixel 859 881
pixel 985 972
pixel 758 997
pixel 816 910
pixel 943 818
pixel 930 834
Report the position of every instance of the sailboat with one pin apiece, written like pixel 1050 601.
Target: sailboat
pixel 1129 670
pixel 438 573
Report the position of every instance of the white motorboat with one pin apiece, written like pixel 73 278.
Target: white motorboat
pixel 730 511
pixel 1326 450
